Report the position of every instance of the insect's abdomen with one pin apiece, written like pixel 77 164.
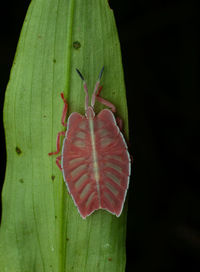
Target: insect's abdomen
pixel 96 163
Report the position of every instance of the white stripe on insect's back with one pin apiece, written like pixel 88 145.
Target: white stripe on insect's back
pixel 94 157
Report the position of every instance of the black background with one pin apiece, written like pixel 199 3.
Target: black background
pixel 160 51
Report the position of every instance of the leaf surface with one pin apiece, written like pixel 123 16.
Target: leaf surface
pixel 41 229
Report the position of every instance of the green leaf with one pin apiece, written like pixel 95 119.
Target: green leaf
pixel 41 229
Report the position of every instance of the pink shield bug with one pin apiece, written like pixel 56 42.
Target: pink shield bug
pixel 95 161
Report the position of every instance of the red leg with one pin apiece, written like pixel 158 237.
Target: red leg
pixel 111 106
pixel 64 113
pixel 99 90
pixel 104 101
pixel 119 123
pixel 57 143
pixel 58 159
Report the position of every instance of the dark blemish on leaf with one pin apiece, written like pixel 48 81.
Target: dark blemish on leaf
pixel 67 239
pixel 52 177
pixel 76 45
pixel 44 116
pixel 109 259
pixel 54 60
pixel 55 216
pixel 18 150
pixel 21 180
pixel 39 36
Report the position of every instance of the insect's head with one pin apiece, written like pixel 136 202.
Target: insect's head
pixel 96 89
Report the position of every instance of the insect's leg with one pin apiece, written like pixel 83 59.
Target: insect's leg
pixel 119 123
pixel 104 101
pixel 58 159
pixel 57 143
pixel 64 113
pixel 111 106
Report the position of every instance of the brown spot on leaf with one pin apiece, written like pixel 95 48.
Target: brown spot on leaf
pixel 21 180
pixel 52 177
pixel 109 259
pixel 76 45
pixel 18 150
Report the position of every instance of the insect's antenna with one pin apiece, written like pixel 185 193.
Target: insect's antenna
pixel 101 72
pixel 85 88
pixel 79 73
pixel 96 87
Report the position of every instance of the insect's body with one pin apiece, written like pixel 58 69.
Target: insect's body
pixel 95 161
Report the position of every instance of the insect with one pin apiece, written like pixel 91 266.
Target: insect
pixel 95 161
